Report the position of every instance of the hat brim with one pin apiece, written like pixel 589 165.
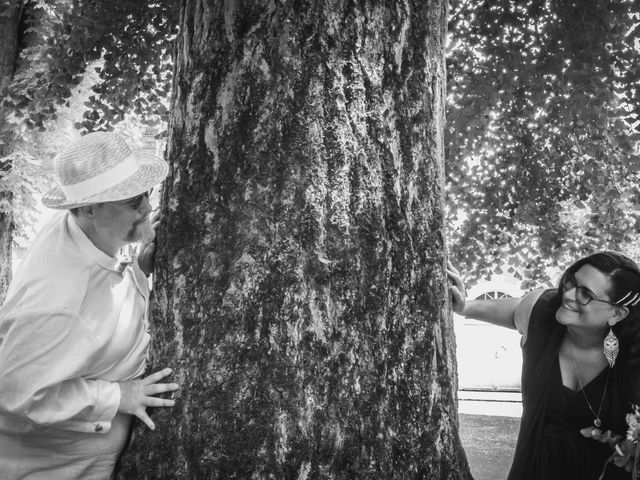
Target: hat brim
pixel 152 171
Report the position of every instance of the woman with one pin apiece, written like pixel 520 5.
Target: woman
pixel 580 373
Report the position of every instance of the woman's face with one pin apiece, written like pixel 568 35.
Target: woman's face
pixel 588 283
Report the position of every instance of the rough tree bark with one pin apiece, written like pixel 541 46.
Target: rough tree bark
pixel 301 293
pixel 10 14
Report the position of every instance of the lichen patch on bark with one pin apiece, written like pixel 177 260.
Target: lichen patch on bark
pixel 302 272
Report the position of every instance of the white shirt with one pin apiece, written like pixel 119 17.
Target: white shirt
pixel 72 326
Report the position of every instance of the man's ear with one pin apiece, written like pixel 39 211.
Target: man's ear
pixel 620 313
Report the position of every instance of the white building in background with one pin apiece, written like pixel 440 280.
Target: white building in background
pixel 489 357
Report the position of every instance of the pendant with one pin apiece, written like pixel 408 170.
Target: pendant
pixel 597 422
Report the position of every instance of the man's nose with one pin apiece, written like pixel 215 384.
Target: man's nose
pixel 145 205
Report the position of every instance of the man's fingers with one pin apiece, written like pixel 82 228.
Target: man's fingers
pixel 156 377
pixel 159 402
pixel 146 420
pixel 157 388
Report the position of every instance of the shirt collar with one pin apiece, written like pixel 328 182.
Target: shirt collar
pixel 89 249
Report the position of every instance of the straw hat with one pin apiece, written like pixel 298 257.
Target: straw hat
pixel 100 167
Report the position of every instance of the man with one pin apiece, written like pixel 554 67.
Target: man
pixel 74 327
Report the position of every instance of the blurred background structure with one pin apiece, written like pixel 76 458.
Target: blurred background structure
pixel 489 400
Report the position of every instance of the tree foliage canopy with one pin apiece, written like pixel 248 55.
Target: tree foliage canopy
pixel 542 133
pixel 61 39
pixel 543 113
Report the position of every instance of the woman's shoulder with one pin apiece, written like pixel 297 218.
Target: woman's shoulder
pixel 533 303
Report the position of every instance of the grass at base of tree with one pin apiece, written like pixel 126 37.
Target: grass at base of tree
pixel 489 442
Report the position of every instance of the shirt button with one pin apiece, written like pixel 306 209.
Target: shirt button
pixel 98 427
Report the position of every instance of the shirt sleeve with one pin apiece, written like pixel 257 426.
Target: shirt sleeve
pixel 523 311
pixel 45 377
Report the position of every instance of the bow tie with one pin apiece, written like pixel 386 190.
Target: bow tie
pixel 125 258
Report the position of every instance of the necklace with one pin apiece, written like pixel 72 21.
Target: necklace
pixel 597 422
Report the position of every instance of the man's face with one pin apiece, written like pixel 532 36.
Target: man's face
pixel 124 221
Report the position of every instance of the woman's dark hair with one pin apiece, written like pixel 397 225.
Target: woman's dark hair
pixel 624 275
pixel 623 272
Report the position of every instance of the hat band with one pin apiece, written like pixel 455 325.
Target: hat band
pixel 102 181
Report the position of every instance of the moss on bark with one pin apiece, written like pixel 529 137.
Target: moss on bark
pixel 301 292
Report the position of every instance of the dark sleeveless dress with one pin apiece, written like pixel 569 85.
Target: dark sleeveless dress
pixel 550 445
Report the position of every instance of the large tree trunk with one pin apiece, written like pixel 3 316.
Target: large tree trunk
pixel 301 293
pixel 10 13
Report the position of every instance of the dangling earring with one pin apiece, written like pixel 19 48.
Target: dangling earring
pixel 611 347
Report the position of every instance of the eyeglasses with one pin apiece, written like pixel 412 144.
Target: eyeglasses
pixel 135 202
pixel 584 296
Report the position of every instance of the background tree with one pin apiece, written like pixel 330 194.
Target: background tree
pixel 542 136
pixel 130 39
pixel 301 292
pixel 10 15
